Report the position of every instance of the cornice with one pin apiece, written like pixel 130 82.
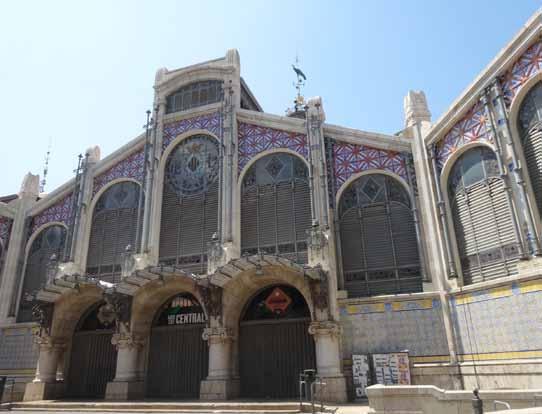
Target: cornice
pixel 371 139
pixel 272 121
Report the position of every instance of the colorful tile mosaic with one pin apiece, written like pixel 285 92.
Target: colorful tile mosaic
pixel 472 127
pixel 60 211
pixel 255 139
pixel 528 65
pixel 502 319
pixel 209 122
pixel 349 159
pixel 5 230
pixel 129 167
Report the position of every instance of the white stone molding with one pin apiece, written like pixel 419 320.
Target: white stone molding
pixel 325 328
pixel 217 335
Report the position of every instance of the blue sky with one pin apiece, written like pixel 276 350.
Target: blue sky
pixel 81 73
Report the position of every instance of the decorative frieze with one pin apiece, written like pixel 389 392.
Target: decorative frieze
pixel 523 69
pixel 129 167
pixel 58 212
pixel 209 122
pixel 325 328
pixel 254 139
pixel 349 159
pixel 217 334
pixel 471 128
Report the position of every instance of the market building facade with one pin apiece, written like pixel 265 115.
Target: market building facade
pixel 225 249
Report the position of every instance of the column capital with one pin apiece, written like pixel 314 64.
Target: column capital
pixel 217 335
pixel 325 328
pixel 47 342
pixel 127 341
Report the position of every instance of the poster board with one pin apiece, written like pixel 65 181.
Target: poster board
pixel 392 369
pixel 360 374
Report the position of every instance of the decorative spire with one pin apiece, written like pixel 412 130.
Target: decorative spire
pixel 45 167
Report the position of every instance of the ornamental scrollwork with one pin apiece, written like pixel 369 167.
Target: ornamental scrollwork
pixel 212 300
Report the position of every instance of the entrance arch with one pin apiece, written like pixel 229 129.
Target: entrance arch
pixel 178 356
pixel 93 358
pixel 274 343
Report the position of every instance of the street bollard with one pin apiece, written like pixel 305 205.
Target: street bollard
pixel 477 403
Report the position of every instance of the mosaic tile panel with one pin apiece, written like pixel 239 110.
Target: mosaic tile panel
pixel 17 349
pixel 253 139
pixel 504 319
pixel 130 167
pixel 349 159
pixel 5 230
pixel 209 122
pixel 528 65
pixel 471 128
pixel 416 326
pixel 60 211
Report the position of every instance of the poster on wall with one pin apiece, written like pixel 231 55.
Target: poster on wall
pixel 392 369
pixel 360 374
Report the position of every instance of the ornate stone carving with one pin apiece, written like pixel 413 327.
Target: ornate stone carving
pixel 117 309
pixel 46 341
pixel 325 328
pixel 127 340
pixel 415 108
pixel 42 313
pixel 212 299
pixel 319 286
pixel 217 335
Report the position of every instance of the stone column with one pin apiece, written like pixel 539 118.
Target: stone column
pixel 439 269
pixel 219 384
pixel 15 256
pixel 328 363
pixel 127 385
pixel 45 385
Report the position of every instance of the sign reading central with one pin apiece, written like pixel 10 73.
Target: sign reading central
pixel 183 309
pixel 278 301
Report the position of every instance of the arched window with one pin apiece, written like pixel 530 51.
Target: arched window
pixel 530 131
pixel 482 220
pixel 49 242
pixel 194 95
pixel 276 207
pixel 114 226
pixel 378 238
pixel 190 203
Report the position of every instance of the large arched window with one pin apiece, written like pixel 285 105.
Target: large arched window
pixel 530 131
pixel 378 238
pixel 276 207
pixel 114 226
pixel 190 203
pixel 48 242
pixel 482 220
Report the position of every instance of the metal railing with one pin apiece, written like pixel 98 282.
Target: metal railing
pixel 311 387
pixel 9 383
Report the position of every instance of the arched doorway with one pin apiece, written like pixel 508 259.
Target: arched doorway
pixel 93 358
pixel 274 343
pixel 178 356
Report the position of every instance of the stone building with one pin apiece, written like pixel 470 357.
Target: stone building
pixel 225 249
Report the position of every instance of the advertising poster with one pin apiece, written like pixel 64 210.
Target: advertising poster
pixel 392 369
pixel 360 374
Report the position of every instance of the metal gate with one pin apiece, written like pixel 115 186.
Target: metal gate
pixel 274 343
pixel 178 361
pixel 92 364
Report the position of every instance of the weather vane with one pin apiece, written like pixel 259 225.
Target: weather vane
pixel 299 100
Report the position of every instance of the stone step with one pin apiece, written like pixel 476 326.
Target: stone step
pixel 149 406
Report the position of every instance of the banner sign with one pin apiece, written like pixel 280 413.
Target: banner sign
pixel 185 318
pixel 392 369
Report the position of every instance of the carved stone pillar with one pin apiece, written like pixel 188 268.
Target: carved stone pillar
pixel 45 385
pixel 127 385
pixel 327 336
pixel 219 385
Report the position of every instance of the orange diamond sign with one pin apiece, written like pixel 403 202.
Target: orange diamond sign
pixel 278 301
